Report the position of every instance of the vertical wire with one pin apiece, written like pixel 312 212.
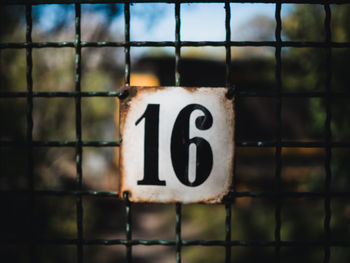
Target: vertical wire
pixel 29 131
pixel 278 158
pixel 177 44
pixel 128 225
pixel 78 133
pixel 228 232
pixel 178 232
pixel 227 44
pixel 127 43
pixel 178 83
pixel 228 85
pixel 328 137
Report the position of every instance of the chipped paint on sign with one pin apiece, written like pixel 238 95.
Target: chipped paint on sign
pixel 177 144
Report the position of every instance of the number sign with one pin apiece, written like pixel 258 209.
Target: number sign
pixel 177 144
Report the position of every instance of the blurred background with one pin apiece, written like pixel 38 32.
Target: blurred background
pixel 253 69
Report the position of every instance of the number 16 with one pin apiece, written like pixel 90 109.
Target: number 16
pixel 179 148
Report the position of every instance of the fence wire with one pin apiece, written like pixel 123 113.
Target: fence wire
pixel 276 195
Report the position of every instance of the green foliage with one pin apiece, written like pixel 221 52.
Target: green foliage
pixel 304 23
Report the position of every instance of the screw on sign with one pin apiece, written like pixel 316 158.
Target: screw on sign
pixel 177 144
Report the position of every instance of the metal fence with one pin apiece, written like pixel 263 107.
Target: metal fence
pixel 277 195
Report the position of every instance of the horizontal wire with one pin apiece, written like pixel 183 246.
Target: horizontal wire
pixel 286 144
pixel 232 195
pixel 248 93
pixel 64 44
pixel 36 2
pixel 62 193
pixel 293 144
pixel 134 242
pixel 228 198
pixel 60 94
pixel 60 143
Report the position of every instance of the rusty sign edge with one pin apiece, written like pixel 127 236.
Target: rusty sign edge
pixel 133 92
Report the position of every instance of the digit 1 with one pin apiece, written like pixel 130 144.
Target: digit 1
pixel 151 154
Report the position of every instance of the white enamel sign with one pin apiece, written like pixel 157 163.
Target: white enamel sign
pixel 177 144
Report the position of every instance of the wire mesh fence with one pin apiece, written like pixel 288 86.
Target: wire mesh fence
pixel 324 244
